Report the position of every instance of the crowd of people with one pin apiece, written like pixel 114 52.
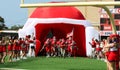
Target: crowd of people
pixel 15 48
pixel 61 47
pixel 109 49
pixel 20 48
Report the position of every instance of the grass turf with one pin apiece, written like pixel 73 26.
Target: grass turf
pixel 43 63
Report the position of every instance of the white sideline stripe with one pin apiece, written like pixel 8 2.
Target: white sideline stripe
pixel 10 69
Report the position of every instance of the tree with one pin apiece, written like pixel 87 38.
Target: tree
pixel 2 25
pixel 16 27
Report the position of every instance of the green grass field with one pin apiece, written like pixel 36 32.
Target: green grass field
pixel 43 63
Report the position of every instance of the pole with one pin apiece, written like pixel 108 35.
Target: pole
pixel 111 19
pixel 112 3
pixel 22 1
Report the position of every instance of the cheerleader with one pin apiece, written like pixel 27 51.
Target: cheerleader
pixel 105 50
pixel 15 50
pixel 3 50
pixel 23 49
pixel 113 56
pixel 10 50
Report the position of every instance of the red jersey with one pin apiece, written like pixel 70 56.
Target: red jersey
pixel 62 44
pixel 93 44
pixel 58 43
pixel 53 43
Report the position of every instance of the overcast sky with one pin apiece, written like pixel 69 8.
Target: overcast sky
pixel 12 13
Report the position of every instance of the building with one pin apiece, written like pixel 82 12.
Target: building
pixel 105 24
pixel 8 33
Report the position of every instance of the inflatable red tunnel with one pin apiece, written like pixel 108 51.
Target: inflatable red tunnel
pixel 60 30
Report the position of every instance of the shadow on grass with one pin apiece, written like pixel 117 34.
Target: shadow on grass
pixel 83 69
pixel 8 65
pixel 14 64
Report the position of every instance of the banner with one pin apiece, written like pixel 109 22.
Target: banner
pixel 115 11
pixel 107 33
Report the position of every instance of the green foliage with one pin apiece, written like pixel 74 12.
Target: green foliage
pixel 16 27
pixel 2 25
pixel 43 63
pixel 2 19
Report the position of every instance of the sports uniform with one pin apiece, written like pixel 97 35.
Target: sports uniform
pixel 10 46
pixel 63 47
pixel 54 47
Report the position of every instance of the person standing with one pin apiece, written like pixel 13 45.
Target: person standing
pixel 32 43
pixel 47 47
pixel 15 50
pixel 106 52
pixel 10 50
pixel 4 50
pixel 23 49
pixel 98 49
pixel 68 43
pixel 73 48
pixel 54 46
pixel 113 56
pixel 58 47
pixel 63 47
pixel 93 45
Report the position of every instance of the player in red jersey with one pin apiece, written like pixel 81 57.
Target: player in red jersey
pixel 93 45
pixel 53 46
pixel 73 48
pixel 98 49
pixel 58 47
pixel 68 42
pixel 63 47
pixel 102 55
pixel 47 47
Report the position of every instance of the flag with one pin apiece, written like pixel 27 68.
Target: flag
pixel 70 34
